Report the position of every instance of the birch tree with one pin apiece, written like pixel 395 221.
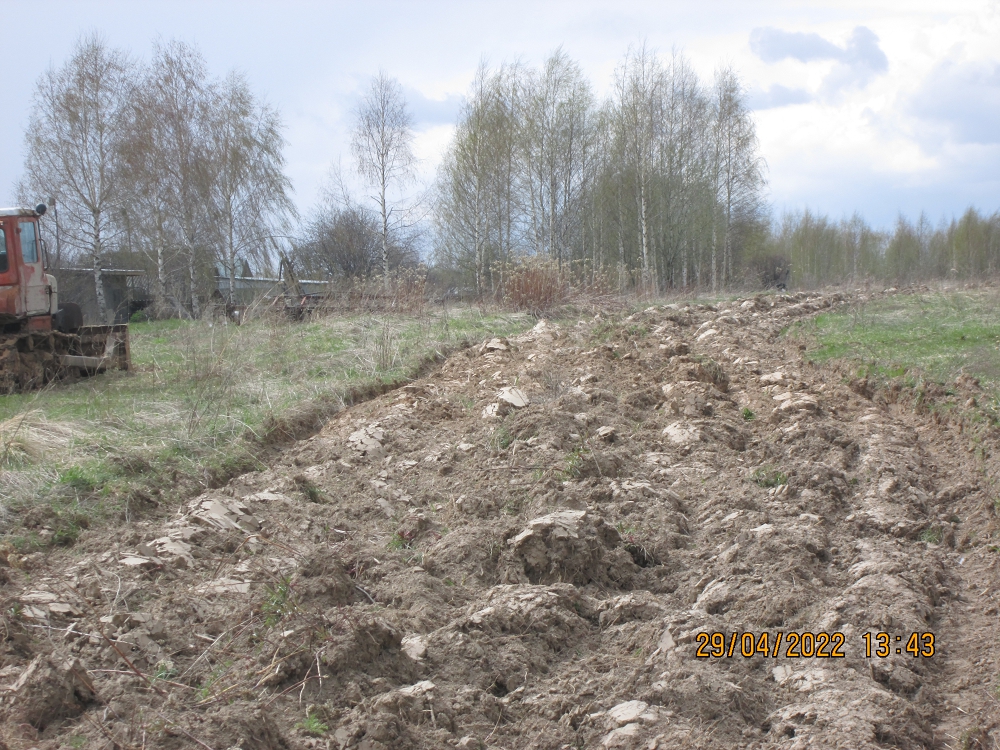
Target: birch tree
pixel 476 189
pixel 382 145
pixel 638 85
pixel 249 189
pixel 739 168
pixel 168 157
pixel 556 135
pixel 79 115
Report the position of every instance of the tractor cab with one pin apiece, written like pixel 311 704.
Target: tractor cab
pixel 28 295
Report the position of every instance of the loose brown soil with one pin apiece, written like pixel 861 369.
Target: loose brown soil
pixel 521 549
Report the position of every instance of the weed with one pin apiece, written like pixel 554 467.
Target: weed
pixel 504 439
pixel 972 739
pixel 66 536
pixel 85 478
pixel 77 741
pixel 574 462
pixel 748 415
pixel 308 488
pixel 312 726
pixel 633 545
pixel 278 604
pixel 766 476
pixel 164 670
pixel 626 532
pixel 205 691
pixel 399 541
pixel 513 506
pixel 603 331
pixel 931 535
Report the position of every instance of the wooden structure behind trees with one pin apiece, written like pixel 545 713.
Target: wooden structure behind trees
pixel 124 291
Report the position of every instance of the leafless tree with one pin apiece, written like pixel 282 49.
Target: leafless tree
pixel 638 92
pixel 382 144
pixel 556 136
pixel 250 192
pixel 79 116
pixel 737 165
pixel 476 202
pixel 167 154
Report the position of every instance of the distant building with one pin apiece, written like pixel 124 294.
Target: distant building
pixel 248 288
pixel 125 292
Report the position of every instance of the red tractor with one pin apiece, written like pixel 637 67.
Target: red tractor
pixel 40 339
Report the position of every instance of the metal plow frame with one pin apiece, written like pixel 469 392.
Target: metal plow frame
pixel 100 348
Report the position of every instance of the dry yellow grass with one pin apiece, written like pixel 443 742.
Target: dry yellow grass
pixel 29 437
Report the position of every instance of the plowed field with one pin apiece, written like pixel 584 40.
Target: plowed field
pixel 534 547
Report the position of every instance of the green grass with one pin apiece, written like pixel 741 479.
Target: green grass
pixel 204 402
pixel 767 476
pixel 399 541
pixel 932 535
pixel 932 335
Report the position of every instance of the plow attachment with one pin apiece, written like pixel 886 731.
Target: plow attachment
pixel 31 359
pixel 99 348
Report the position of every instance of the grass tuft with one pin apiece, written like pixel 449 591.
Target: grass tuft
pixel 767 476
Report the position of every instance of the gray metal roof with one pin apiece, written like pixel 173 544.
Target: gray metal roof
pixel 105 271
pixel 18 211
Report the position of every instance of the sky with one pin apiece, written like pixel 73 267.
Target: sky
pixel 884 108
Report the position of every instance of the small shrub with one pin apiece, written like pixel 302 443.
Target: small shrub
pixel 748 415
pixel 535 285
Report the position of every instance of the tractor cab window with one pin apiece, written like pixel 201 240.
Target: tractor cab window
pixel 29 242
pixel 3 252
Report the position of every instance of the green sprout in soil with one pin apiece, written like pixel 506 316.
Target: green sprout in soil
pixel 765 476
pixel 312 726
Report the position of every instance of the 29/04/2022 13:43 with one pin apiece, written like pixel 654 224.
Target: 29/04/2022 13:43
pixel 807 645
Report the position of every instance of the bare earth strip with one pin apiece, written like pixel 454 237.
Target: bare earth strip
pixel 523 549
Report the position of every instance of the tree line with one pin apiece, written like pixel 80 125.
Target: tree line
pixel 818 250
pixel 156 164
pixel 661 185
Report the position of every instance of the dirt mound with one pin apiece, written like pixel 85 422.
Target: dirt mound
pixel 605 534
